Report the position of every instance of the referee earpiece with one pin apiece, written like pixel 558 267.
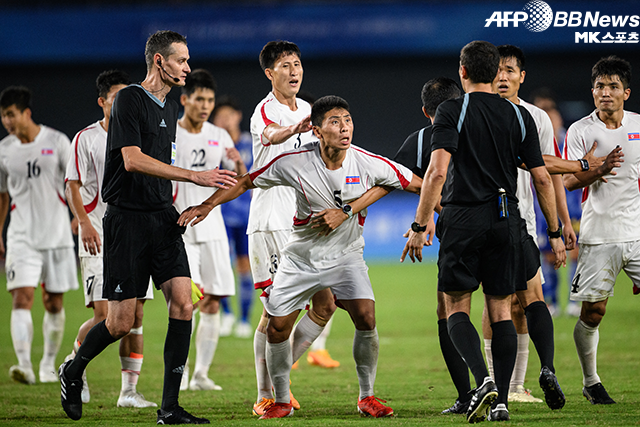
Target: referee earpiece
pixel 159 62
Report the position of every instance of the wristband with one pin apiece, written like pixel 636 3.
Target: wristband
pixel 554 234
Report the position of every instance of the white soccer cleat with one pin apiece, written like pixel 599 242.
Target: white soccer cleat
pixel 203 383
pixel 47 374
pixel 244 330
pixel 184 382
pixel 22 375
pixel 133 399
pixel 520 394
pixel 226 324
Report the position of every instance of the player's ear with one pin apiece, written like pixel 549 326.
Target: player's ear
pixel 183 99
pixel 424 111
pixel 101 101
pixel 522 74
pixel 316 132
pixel 627 93
pixel 269 73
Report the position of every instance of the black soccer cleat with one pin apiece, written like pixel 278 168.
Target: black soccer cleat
pixel 70 393
pixel 179 416
pixel 482 400
pixel 499 413
pixel 553 394
pixel 597 395
pixel 457 408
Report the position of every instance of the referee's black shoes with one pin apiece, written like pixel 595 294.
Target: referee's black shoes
pixel 458 408
pixel 597 395
pixel 70 393
pixel 482 400
pixel 179 416
pixel 553 394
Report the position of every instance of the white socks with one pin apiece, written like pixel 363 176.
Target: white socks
pixel 52 330
pixel 365 354
pixel 131 367
pixel 321 342
pixel 262 373
pixel 586 339
pixel 207 336
pixel 522 358
pixel 22 336
pixel 279 363
pixel 304 333
pixel 489 355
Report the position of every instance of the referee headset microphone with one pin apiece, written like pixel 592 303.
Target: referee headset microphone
pixel 159 62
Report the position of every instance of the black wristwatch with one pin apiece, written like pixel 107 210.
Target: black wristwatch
pixel 554 234
pixel 585 164
pixel 347 209
pixel 418 228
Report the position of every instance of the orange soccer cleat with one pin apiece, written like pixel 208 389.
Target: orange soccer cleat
pixel 278 410
pixel 259 408
pixel 371 407
pixel 322 358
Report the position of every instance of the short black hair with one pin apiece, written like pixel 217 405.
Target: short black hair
pixel 199 78
pixel 612 66
pixel 511 51
pixel 325 104
pixel 161 42
pixel 436 91
pixel 274 49
pixel 20 96
pixel 110 78
pixel 482 60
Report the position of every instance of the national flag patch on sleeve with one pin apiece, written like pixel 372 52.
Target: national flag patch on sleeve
pixel 213 143
pixel 634 136
pixel 47 151
pixel 352 180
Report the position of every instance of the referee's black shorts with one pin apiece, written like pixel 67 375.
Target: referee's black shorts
pixel 478 247
pixel 139 245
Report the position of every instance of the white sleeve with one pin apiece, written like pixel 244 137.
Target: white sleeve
pixel 274 174
pixel 78 159
pixel 547 139
pixel 383 171
pixel 64 145
pixel 3 181
pixel 574 147
pixel 268 114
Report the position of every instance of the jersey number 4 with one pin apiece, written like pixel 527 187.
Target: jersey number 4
pixel 33 170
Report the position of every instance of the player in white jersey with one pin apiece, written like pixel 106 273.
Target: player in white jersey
pixel 200 146
pixel 83 189
pixel 324 175
pixel 39 242
pixel 609 233
pixel 280 122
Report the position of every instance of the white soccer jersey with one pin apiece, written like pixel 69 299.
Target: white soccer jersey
pixel 86 164
pixel 272 209
pixel 547 146
pixel 201 151
pixel 33 174
pixel 610 211
pixel 318 188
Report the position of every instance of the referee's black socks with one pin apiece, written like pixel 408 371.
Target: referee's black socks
pixel 176 351
pixel 465 338
pixel 504 346
pixel 457 368
pixel 540 327
pixel 96 340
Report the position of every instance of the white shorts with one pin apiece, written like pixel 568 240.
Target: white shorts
pixel 55 268
pixel 296 283
pixel 265 248
pixel 210 266
pixel 92 280
pixel 599 266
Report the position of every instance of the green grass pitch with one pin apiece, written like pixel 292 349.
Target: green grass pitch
pixel 411 375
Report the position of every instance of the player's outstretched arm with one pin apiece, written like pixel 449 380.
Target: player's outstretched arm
pixel 429 198
pixel 88 235
pixel 584 179
pixel 136 161
pixel 556 165
pixel 568 233
pixel 4 209
pixel 195 214
pixel 329 219
pixel 547 199
pixel 277 134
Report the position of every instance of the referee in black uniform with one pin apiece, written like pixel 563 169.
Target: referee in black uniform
pixel 141 235
pixel 485 138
